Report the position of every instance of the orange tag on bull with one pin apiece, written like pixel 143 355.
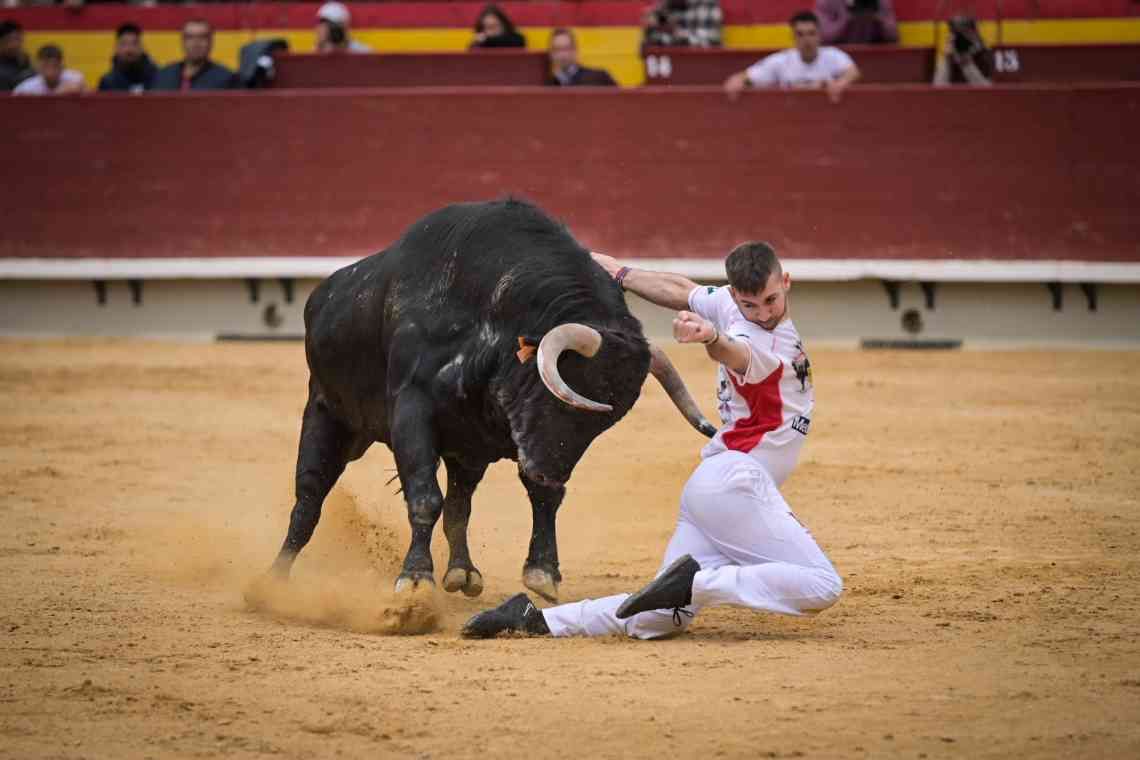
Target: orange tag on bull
pixel 525 352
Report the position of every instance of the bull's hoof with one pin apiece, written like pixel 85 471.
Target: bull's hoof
pixel 541 582
pixel 470 582
pixel 261 592
pixel 410 582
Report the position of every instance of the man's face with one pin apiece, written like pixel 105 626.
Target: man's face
pixel 807 39
pixel 51 69
pixel 491 25
pixel 128 48
pixel 322 33
pixel 768 307
pixel 12 45
pixel 197 41
pixel 563 52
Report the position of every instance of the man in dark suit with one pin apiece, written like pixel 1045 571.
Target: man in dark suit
pixel 565 70
pixel 196 71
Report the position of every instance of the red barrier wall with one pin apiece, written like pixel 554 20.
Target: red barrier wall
pixel 894 65
pixel 879 64
pixel 474 68
pixel 1003 173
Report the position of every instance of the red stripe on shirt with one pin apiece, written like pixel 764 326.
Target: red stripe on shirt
pixel 767 412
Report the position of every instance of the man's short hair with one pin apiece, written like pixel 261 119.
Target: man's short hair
pixel 128 28
pixel 803 16
pixel 202 21
pixel 8 26
pixel 563 31
pixel 751 265
pixel 49 52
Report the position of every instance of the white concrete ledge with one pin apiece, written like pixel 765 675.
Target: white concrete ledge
pixel 819 270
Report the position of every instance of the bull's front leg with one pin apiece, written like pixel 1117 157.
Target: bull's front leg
pixel 417 459
pixel 540 573
pixel 462 575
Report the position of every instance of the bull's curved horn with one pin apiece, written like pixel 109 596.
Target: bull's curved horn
pixel 575 337
pixel 666 374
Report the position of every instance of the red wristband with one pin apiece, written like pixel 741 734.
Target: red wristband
pixel 620 276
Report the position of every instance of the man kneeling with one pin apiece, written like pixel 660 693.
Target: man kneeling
pixel 737 540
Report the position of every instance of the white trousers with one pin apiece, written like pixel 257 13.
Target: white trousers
pixel 752 550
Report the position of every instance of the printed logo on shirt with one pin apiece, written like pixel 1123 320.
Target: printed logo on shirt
pixel 802 365
pixel 711 289
pixel 801 424
pixel 724 394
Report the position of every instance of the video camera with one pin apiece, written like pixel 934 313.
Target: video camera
pixel 966 38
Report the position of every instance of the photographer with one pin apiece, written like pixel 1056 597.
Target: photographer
pixel 683 23
pixel 494 29
pixel 332 31
pixel 857 22
pixel 965 59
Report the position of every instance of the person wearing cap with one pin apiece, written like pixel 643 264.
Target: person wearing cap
pixel 332 30
pixel 132 70
pixel 53 78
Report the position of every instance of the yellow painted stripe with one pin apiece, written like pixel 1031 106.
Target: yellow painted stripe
pixel 1094 31
pixel 613 48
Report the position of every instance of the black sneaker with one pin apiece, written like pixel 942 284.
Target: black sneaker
pixel 672 590
pixel 517 614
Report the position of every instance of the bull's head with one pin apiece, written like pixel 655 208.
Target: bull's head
pixel 614 368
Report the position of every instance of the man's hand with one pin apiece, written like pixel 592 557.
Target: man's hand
pixel 736 84
pixel 835 90
pixel 692 328
pixel 608 263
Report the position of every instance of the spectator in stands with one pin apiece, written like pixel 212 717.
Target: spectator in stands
pixel 132 70
pixel 14 64
pixel 683 23
pixel 565 71
pixel 53 78
pixel 807 65
pixel 493 29
pixel 965 57
pixel 196 71
pixel 332 31
pixel 857 22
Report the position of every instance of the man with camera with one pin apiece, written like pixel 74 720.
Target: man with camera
pixel 857 22
pixel 965 58
pixel 332 31
pixel 683 23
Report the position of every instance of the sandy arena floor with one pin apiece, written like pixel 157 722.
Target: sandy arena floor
pixel 982 507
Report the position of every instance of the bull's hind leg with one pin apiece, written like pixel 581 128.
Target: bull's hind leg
pixel 461 573
pixel 540 573
pixel 326 447
pixel 417 459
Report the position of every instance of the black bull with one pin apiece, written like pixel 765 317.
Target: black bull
pixel 429 347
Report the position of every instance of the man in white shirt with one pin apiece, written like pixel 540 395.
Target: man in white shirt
pixel 737 541
pixel 807 65
pixel 53 78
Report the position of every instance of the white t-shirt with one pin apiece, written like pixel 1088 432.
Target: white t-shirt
pixel 787 69
pixel 766 412
pixel 38 86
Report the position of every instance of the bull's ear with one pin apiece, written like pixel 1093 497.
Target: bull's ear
pixel 527 349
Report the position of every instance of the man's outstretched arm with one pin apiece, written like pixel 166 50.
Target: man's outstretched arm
pixel 662 288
